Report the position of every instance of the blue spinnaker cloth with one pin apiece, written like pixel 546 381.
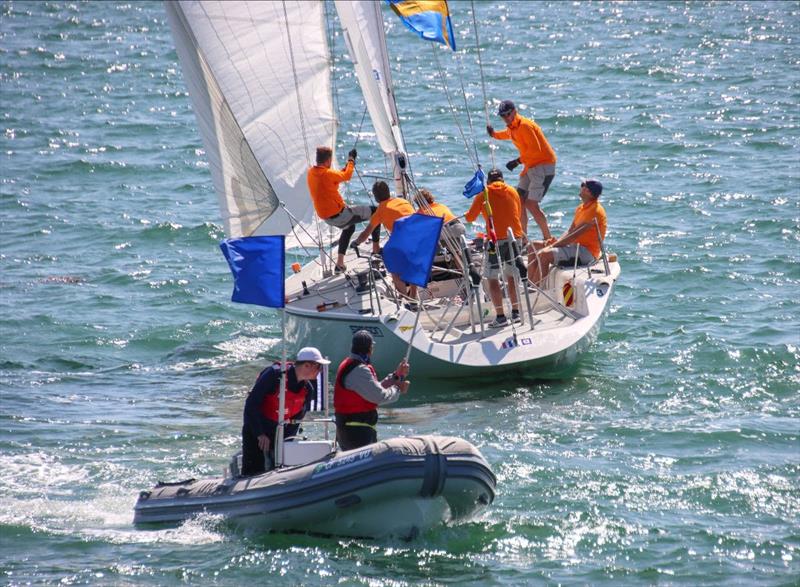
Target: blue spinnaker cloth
pixel 476 185
pixel 430 19
pixel 411 247
pixel 257 264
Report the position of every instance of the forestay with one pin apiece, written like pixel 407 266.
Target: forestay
pixel 258 74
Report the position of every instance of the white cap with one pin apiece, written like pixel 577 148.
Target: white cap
pixel 310 353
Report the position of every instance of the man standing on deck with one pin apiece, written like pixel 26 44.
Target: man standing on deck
pixel 581 239
pixel 538 158
pixel 323 185
pixel 357 394
pixel 261 407
pixel 504 203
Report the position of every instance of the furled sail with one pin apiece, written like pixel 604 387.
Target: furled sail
pixel 258 74
pixel 364 33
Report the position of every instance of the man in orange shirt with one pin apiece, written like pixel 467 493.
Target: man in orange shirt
pixel 538 158
pixel 505 204
pixel 389 209
pixel 323 185
pixel 427 204
pixel 579 240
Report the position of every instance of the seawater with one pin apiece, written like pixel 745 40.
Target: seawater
pixel 671 455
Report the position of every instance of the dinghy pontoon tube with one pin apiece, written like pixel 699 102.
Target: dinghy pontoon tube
pixel 398 487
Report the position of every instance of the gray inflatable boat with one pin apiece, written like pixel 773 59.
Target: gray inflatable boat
pixel 397 487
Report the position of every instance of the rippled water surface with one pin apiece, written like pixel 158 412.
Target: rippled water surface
pixel 670 456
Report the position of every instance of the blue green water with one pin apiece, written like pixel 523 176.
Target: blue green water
pixel 670 456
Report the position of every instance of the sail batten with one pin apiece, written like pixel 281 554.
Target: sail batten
pixel 262 101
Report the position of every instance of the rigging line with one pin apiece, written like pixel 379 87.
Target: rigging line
pixel 480 68
pixel 452 106
pixel 360 126
pixel 466 109
pixel 296 82
pixel 358 134
pixel 369 192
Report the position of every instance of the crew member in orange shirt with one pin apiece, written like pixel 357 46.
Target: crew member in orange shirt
pixel 538 158
pixel 505 204
pixel 323 185
pixel 581 232
pixel 389 210
pixel 428 205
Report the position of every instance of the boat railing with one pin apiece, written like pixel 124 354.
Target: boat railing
pixel 602 248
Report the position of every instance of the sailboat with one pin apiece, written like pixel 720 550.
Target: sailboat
pixel 259 77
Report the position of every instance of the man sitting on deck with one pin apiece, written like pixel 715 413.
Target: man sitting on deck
pixel 323 185
pixel 428 205
pixel 580 239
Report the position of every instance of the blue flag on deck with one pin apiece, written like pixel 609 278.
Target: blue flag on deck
pixel 430 19
pixel 411 247
pixel 476 185
pixel 257 264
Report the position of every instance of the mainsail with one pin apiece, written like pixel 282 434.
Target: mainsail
pixel 258 74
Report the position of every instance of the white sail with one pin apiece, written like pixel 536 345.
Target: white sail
pixel 364 34
pixel 258 74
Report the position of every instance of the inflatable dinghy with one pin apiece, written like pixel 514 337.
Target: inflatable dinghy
pixel 397 487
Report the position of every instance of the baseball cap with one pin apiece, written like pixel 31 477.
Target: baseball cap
pixel 593 186
pixel 311 353
pixel 506 106
pixel 362 343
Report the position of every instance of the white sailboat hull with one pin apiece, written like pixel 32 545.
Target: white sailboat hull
pixel 547 350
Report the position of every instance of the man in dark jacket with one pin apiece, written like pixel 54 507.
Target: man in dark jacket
pixel 261 407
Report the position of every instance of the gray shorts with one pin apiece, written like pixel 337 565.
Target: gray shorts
pixel 567 254
pixel 492 263
pixel 350 215
pixel 536 181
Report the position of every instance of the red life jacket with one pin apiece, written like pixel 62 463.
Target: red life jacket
pixel 348 401
pixel 293 404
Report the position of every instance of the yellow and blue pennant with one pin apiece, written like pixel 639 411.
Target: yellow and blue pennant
pixel 430 19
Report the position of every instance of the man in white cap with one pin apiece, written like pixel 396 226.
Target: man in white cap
pixel 261 407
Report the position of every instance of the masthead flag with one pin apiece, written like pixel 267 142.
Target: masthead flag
pixel 430 19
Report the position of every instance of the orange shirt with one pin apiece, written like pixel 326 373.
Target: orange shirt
pixel 323 185
pixel 505 204
pixel 439 210
pixel 529 139
pixel 390 210
pixel 587 213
